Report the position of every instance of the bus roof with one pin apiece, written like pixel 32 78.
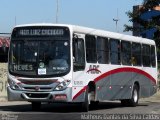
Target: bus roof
pixel 96 32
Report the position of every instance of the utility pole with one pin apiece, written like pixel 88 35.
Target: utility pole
pixel 57 11
pixel 116 20
pixel 15 20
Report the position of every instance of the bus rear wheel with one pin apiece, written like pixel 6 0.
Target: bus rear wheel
pixel 133 102
pixel 135 96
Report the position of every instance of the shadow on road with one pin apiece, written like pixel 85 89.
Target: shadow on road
pixel 63 108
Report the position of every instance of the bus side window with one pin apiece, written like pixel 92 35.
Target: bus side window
pixel 115 51
pixel 153 56
pixel 136 54
pixel 78 54
pixel 126 53
pixel 146 55
pixel 102 50
pixel 91 52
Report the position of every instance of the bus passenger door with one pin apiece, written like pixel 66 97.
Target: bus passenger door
pixel 78 66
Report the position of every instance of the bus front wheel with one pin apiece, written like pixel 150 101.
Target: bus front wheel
pixel 85 104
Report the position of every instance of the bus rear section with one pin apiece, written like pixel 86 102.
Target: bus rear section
pixel 116 68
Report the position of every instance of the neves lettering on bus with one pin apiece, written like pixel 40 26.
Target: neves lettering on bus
pixel 23 67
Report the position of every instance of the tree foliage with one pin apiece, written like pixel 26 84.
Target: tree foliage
pixel 144 25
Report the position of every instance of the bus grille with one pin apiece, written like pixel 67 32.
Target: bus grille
pixel 35 88
pixel 37 82
pixel 37 95
pixel 38 85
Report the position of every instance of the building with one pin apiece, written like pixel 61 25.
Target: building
pixel 146 16
pixel 4 46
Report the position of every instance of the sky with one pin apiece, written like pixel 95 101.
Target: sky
pixel 97 14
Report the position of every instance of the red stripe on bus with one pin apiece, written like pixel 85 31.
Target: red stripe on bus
pixel 80 92
pixel 94 69
pixel 126 69
pixel 118 70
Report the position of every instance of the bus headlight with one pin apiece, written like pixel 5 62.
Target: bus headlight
pixel 63 85
pixel 14 85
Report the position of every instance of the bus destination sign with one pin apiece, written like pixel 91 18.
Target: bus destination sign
pixel 41 32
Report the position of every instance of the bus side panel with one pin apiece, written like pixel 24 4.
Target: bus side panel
pixel 80 96
pixel 148 85
pixel 120 85
pixel 102 89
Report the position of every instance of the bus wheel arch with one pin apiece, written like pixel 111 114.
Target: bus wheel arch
pixel 138 85
pixel 89 96
pixel 91 86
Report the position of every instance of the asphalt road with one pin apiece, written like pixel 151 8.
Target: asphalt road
pixel 148 108
pixel 105 110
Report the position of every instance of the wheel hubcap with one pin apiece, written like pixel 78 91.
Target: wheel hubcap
pixel 135 96
pixel 89 98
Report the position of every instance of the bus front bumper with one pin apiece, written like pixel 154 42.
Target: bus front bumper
pixel 52 96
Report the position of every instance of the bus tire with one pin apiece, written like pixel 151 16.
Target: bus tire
pixel 133 102
pixel 124 102
pixel 36 106
pixel 85 104
pixel 94 103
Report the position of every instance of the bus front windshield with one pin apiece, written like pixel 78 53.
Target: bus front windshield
pixel 39 57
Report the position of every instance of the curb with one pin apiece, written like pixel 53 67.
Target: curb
pixel 154 98
pixel 3 99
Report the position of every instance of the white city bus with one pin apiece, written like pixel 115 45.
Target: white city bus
pixel 74 64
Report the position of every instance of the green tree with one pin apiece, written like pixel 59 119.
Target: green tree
pixel 143 25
